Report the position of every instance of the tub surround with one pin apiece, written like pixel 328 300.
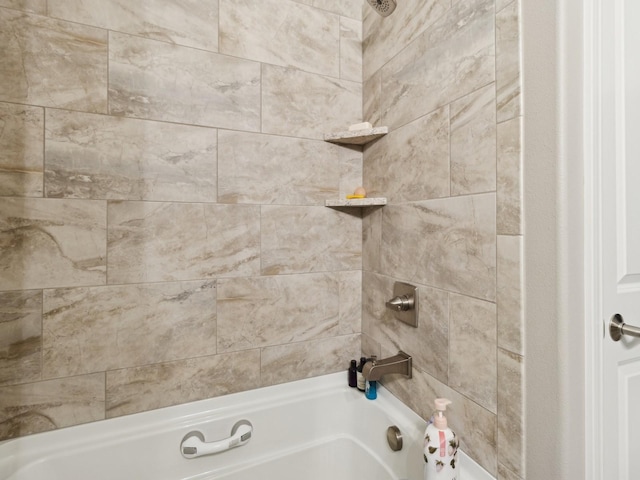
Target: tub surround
pixel 448 86
pixel 164 177
pixel 162 188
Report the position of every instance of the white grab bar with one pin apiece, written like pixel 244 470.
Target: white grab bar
pixel 193 444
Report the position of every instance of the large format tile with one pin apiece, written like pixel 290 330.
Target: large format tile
pixel 474 425
pixel 281 32
pixel 274 310
pixel 350 302
pixel 510 282
pixel 351 49
pixel 52 63
pixel 150 242
pixel 159 81
pixel 193 23
pixel 35 6
pixel 508 83
pixel 103 157
pixel 510 178
pixel 315 239
pixel 139 389
pixel 371 99
pixel 473 350
pixel 444 243
pixel 505 474
pixel 103 328
pixel 20 336
pixel 412 162
pixel 21 140
pixel 42 406
pixel 453 57
pixel 303 104
pixel 473 142
pixel 347 8
pixel 270 169
pixel 52 243
pixel 387 36
pixel 428 344
pixel 511 427
pixel 295 361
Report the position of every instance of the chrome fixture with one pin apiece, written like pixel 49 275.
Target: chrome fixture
pixel 394 438
pixel 400 363
pixel 383 7
pixel 617 328
pixel 193 444
pixel 404 303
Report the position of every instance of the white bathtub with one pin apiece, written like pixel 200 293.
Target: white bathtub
pixel 312 429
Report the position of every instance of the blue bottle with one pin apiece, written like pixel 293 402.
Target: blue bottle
pixel 371 390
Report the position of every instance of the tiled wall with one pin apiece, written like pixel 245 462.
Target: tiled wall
pixel 444 76
pixel 162 186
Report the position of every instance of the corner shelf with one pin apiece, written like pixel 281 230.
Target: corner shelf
pixel 356 137
pixel 356 202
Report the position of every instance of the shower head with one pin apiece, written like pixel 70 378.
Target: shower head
pixel 383 7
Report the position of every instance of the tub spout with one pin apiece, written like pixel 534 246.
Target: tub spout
pixel 400 363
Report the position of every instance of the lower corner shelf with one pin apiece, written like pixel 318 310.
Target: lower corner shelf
pixel 356 202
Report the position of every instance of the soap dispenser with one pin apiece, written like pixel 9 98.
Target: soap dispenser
pixel 440 446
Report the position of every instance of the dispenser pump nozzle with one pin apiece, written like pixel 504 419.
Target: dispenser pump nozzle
pixel 439 420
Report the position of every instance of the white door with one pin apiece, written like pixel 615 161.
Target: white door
pixel 619 160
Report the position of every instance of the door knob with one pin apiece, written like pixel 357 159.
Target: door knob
pixel 617 328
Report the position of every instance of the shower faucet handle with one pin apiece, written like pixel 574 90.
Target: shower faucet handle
pixel 401 303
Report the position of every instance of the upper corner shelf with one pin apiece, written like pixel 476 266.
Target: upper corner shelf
pixel 356 137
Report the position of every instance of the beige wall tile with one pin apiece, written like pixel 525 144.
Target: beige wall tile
pixel 35 6
pixel 473 142
pixel 21 144
pixel 52 243
pixel 52 63
pixel 444 243
pixel 151 242
pixel 350 49
pixel 428 344
pixel 103 328
pixel 193 23
pixel 302 104
pixel 42 406
pixel 145 388
pixel 102 157
pixel 281 32
pixel 371 239
pixel 510 278
pixel 505 474
pixel 347 8
pixel 453 57
pixel 412 162
pixel 508 81
pixel 371 99
pixel 287 363
pixel 472 355
pixel 266 311
pixel 315 239
pixel 20 336
pixel 350 302
pixel 500 4
pixel 511 411
pixel 268 169
pixel 510 178
pixel 388 36
pixel 158 81
pixel 474 425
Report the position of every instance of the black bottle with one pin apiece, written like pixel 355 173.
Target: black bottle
pixel 353 373
pixel 360 378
